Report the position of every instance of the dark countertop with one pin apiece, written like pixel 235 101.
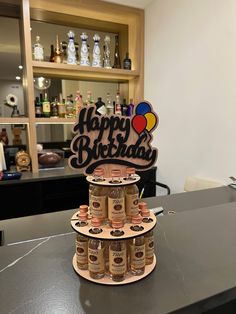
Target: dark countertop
pixel 196 267
pixel 43 175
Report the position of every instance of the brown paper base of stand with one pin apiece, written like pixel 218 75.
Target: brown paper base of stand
pixel 108 281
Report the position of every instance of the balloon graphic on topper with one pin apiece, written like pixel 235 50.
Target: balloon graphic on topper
pixel 144 119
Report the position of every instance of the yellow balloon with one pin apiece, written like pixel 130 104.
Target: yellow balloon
pixel 151 121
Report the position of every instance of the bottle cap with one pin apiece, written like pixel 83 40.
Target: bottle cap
pixel 83 208
pixel 142 205
pixel 130 170
pixel 99 171
pixel 83 216
pixel 145 212
pixel 95 222
pixel 117 223
pixel 116 173
pixel 136 219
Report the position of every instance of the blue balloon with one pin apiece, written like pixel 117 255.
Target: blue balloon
pixel 142 108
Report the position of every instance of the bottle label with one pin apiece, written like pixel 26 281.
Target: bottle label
pixel 46 107
pixel 98 206
pixel 149 246
pixel 82 252
pixel 116 208
pixel 38 110
pixel 38 53
pixel 137 255
pixel 131 204
pixel 117 262
pixel 96 260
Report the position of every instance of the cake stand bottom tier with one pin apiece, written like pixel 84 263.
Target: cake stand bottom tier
pixel 108 281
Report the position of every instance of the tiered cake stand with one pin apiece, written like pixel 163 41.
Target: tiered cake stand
pixel 107 233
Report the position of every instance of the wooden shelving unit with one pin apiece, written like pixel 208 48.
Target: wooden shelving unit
pixel 95 15
pixel 76 72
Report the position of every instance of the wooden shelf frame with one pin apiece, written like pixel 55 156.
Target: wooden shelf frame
pixel 87 73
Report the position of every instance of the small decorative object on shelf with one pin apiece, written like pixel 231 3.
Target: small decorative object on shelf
pixel 117 234
pixel 97 62
pixel 11 101
pixel 117 64
pixel 38 50
pixel 71 52
pixel 107 53
pixel 4 137
pixel 57 53
pixel 23 161
pixel 127 62
pixel 84 51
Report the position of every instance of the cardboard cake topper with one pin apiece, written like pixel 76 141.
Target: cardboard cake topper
pixel 114 140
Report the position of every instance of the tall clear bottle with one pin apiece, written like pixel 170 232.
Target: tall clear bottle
pixel 38 50
pixel 116 199
pixel 117 63
pixel 96 258
pixel 82 251
pixel 131 195
pixel 98 198
pixel 137 255
pixel 118 260
pixel 118 104
pixel 109 105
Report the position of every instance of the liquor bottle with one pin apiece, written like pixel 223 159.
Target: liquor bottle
pixel 78 102
pixel 107 53
pixel 71 53
pixel 131 195
pixel 98 177
pixel 54 107
pixel 130 109
pixel 46 106
pixel 117 260
pixel 38 108
pixel 96 62
pixel 69 107
pixel 127 62
pixel 124 108
pixel 38 51
pixel 149 247
pixel 57 53
pixel 116 199
pixel 98 197
pixel 137 255
pixel 84 51
pixel 51 59
pixel 96 258
pixel 118 104
pixel 64 51
pixel 61 107
pixel 117 64
pixel 89 99
pixel 109 105
pixel 82 251
pixel 100 107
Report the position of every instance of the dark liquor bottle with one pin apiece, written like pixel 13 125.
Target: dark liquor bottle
pixel 127 62
pixel 124 108
pixel 117 64
pixel 51 59
pixel 38 108
pixel 101 107
pixel 130 110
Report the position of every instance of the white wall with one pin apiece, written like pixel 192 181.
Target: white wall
pixel 190 78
